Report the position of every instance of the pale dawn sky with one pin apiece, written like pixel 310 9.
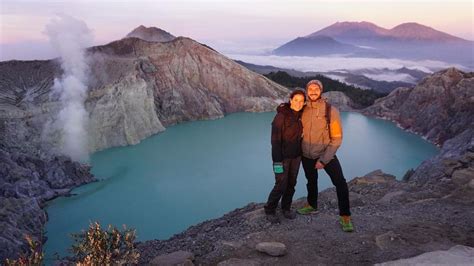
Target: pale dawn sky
pixel 230 26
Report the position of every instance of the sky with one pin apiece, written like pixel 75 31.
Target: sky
pixel 230 26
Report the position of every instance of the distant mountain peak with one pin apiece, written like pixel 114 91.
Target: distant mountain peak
pixel 363 28
pixel 151 34
pixel 416 31
pixel 412 31
pixel 355 24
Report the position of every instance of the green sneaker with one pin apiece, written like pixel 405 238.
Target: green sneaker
pixel 308 209
pixel 346 223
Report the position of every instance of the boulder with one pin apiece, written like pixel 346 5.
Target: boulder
pixel 275 249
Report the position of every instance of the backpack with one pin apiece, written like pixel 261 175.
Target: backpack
pixel 328 117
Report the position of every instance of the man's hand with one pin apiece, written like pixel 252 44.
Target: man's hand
pixel 319 165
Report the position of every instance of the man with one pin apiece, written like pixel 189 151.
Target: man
pixel 320 143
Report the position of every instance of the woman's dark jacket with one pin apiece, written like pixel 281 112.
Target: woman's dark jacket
pixel 287 130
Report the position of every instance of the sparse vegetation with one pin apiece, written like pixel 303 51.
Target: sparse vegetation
pixel 92 247
pixel 362 98
pixel 35 256
pixel 105 247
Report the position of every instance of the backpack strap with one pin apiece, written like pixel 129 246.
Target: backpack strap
pixel 328 117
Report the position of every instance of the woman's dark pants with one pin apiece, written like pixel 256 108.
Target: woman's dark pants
pixel 284 188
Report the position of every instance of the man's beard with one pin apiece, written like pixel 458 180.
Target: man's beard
pixel 314 99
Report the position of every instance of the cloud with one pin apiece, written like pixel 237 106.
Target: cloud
pixel 392 77
pixel 337 63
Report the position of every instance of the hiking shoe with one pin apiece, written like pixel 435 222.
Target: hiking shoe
pixel 308 209
pixel 289 214
pixel 346 223
pixel 273 218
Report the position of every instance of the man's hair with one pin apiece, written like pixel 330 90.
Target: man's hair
pixel 296 92
pixel 314 81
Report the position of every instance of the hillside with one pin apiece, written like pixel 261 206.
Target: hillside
pixel 136 89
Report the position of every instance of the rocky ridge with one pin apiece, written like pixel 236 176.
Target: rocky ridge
pixel 136 89
pixel 440 107
pixel 151 34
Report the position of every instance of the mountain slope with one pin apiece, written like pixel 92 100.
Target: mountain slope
pixel 411 41
pixel 137 88
pixel 315 46
pixel 410 31
pixel 417 32
pixel 151 34
pixel 439 107
pixel 349 30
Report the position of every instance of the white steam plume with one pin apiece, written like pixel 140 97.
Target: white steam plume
pixel 70 37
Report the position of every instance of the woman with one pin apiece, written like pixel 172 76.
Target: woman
pixel 286 155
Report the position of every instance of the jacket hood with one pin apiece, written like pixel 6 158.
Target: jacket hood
pixel 283 108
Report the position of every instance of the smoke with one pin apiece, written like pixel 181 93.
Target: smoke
pixel 70 36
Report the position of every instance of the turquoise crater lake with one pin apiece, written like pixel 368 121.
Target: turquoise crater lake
pixel 200 170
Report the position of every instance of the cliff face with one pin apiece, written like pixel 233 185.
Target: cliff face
pixel 151 34
pixel 27 180
pixel 439 108
pixel 136 89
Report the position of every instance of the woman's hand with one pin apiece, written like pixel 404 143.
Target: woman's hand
pixel 278 168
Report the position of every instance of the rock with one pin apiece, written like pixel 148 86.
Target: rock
pixel 339 100
pixel 387 240
pixel 391 195
pixel 447 161
pixel 24 189
pixel 444 103
pixel 232 244
pixel 136 89
pixel 457 255
pixel 471 184
pixel 374 177
pixel 253 216
pixel 151 34
pixel 463 176
pixel 239 262
pixel 274 249
pixel 122 113
pixel 183 258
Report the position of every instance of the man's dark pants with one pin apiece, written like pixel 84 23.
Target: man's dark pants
pixel 334 170
pixel 284 186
